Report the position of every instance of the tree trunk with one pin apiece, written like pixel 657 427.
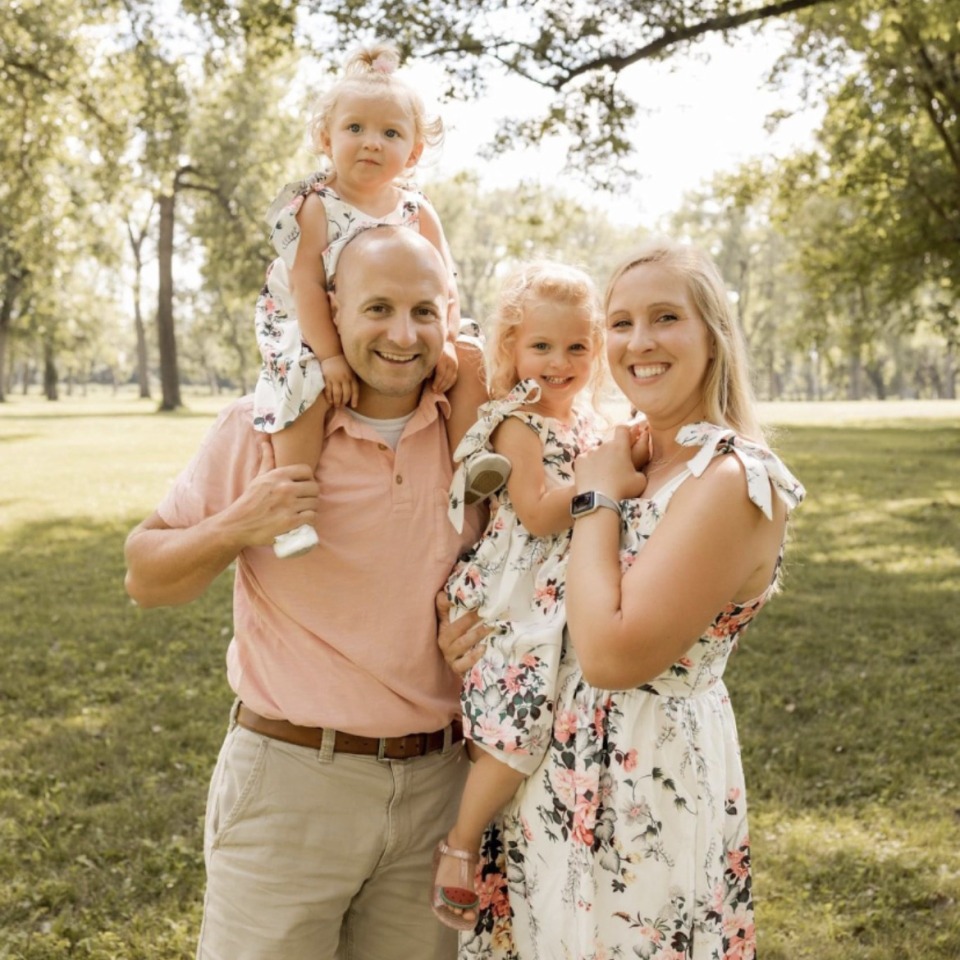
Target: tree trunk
pixel 143 370
pixel 169 374
pixel 3 359
pixel 855 374
pixel 875 373
pixel 49 371
pixel 813 374
pixel 950 371
pixel 6 314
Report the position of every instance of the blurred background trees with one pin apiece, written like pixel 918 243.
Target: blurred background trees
pixel 144 139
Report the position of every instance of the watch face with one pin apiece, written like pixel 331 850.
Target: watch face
pixel 581 503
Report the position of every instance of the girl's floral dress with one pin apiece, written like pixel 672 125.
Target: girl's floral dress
pixel 631 839
pixel 515 580
pixel 291 379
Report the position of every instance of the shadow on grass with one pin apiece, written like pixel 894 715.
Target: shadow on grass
pixel 110 720
pixel 845 687
pixel 845 693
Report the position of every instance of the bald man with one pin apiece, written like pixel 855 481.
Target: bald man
pixel 343 763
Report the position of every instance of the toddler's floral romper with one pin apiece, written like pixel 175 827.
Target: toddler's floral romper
pixel 291 379
pixel 631 840
pixel 515 580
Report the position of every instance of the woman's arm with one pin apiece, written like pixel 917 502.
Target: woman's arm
pixel 170 566
pixel 712 546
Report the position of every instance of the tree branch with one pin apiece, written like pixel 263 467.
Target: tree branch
pixel 672 37
pixel 38 74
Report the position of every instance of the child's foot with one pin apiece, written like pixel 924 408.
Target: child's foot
pixel 453 897
pixel 486 473
pixel 295 542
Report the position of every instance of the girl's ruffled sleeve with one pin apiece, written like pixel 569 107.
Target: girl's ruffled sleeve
pixel 765 471
pixel 281 216
pixel 477 438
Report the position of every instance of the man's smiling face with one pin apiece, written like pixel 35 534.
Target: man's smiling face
pixel 390 309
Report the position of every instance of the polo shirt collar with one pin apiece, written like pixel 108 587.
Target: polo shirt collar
pixel 432 406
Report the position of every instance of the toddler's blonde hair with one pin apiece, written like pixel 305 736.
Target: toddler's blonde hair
pixel 374 68
pixel 543 280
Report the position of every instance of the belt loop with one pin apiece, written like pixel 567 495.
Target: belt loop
pixel 327 745
pixel 234 710
pixel 447 737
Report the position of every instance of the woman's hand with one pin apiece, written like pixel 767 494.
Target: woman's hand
pixel 612 467
pixel 461 642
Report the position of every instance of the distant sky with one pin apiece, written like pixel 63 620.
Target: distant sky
pixel 696 118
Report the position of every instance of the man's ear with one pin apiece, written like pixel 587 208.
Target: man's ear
pixel 451 303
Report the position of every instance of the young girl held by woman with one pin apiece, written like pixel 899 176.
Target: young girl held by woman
pixel 371 128
pixel 544 356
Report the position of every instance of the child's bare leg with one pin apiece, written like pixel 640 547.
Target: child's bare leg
pixel 486 471
pixel 467 393
pixel 490 785
pixel 301 442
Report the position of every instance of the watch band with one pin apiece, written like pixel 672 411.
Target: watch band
pixel 591 501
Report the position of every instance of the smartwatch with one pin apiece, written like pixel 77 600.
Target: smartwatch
pixel 584 503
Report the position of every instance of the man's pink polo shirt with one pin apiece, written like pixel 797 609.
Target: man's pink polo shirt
pixel 346 636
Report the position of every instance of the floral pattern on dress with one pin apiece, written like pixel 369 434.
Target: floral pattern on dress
pixel 516 582
pixel 631 838
pixel 290 378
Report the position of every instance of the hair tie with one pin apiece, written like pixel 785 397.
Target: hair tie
pixel 383 64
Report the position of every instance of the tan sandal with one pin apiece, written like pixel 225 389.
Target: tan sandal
pixel 447 901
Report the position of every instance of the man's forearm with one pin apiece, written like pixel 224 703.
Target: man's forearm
pixel 168 566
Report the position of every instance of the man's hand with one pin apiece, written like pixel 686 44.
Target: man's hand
pixel 461 642
pixel 277 500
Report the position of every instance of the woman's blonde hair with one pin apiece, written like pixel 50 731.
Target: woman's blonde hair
pixel 540 280
pixel 728 394
pixel 373 68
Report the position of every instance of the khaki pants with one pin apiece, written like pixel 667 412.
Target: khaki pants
pixel 318 855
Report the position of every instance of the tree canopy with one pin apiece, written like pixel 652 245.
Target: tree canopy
pixel 144 139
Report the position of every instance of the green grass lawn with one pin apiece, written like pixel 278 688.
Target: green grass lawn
pixel 847 691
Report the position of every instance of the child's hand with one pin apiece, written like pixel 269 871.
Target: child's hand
pixel 609 468
pixel 639 443
pixel 341 386
pixel 445 374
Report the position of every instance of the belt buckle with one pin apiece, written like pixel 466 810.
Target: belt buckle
pixel 382 749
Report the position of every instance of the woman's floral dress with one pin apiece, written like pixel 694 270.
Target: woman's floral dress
pixel 631 838
pixel 291 379
pixel 515 580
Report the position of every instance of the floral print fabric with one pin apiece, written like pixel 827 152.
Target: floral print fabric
pixel 515 580
pixel 291 379
pixel 631 839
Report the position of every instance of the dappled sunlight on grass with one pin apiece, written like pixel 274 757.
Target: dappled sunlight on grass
pixel 110 720
pixel 860 882
pixel 845 691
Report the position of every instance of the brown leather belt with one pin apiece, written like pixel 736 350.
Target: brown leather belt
pixel 384 748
